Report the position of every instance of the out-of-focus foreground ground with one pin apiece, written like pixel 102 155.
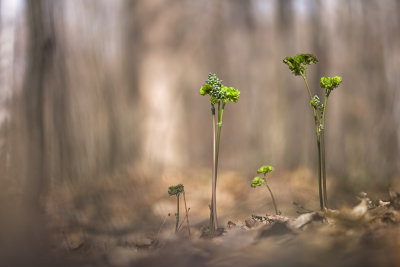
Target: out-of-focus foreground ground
pixel 100 112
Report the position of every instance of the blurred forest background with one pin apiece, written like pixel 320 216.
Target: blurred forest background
pixel 100 108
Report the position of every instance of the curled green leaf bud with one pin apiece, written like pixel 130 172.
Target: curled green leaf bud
pixel 298 64
pixel 205 89
pixel 330 83
pixel 315 102
pixel 232 94
pixel 257 181
pixel 265 169
pixel 176 190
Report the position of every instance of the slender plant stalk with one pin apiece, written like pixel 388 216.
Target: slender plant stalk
pixel 219 94
pixel 273 199
pixel 298 65
pixel 323 168
pixel 321 200
pixel 187 214
pixel 213 223
pixel 317 131
pixel 323 152
pixel 177 214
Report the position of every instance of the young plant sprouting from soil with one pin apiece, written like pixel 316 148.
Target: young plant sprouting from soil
pixel 220 95
pixel 259 181
pixel 298 66
pixel 176 190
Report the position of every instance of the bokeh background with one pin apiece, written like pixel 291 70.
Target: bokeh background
pixel 100 109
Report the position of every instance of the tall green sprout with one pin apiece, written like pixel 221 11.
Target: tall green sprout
pixel 298 66
pixel 220 95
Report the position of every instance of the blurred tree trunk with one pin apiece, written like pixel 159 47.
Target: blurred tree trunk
pixel 31 162
pixel 40 50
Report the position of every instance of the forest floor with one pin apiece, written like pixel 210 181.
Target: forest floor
pixel 366 233
pixel 127 219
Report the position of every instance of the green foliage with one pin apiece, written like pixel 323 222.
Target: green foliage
pixel 217 91
pixel 219 94
pixel 330 83
pixel 315 102
pixel 232 94
pixel 205 89
pixel 298 64
pixel 265 169
pixel 176 190
pixel 257 181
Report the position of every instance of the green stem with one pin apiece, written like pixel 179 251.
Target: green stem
pixel 323 152
pixel 308 88
pixel 323 168
pixel 220 115
pixel 177 213
pixel 212 224
pixel 321 201
pixel 317 119
pixel 273 199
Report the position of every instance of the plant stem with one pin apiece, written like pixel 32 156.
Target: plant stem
pixel 323 168
pixel 323 152
pixel 187 214
pixel 212 224
pixel 177 214
pixel 220 115
pixel 322 193
pixel 321 201
pixel 273 199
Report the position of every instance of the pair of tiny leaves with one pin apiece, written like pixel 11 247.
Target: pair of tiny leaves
pixel 258 181
pixel 176 190
pixel 224 93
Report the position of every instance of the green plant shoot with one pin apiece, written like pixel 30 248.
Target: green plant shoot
pixel 298 66
pixel 176 190
pixel 259 181
pixel 220 95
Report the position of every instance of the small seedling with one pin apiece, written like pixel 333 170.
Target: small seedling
pixel 177 190
pixel 259 181
pixel 298 66
pixel 219 95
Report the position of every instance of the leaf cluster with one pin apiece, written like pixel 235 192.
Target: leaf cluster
pixel 298 64
pixel 330 83
pixel 217 91
pixel 258 181
pixel 265 169
pixel 176 190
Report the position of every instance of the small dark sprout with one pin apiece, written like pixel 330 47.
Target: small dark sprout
pixel 176 190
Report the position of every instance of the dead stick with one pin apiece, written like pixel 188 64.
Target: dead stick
pixel 187 213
